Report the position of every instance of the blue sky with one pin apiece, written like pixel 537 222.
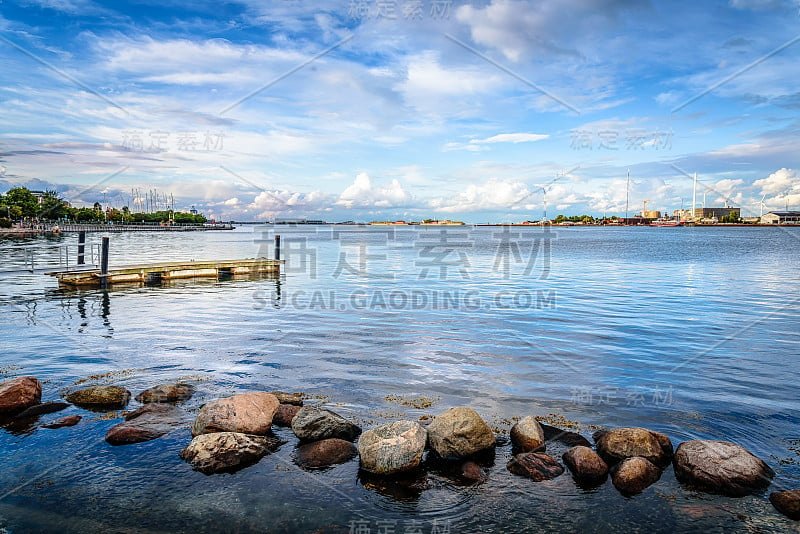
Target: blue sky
pixel 390 109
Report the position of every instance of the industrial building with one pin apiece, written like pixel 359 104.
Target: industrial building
pixel 781 217
pixel 706 213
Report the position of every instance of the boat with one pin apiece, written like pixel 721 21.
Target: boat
pixel 664 222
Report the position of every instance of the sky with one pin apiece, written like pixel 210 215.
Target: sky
pixel 362 110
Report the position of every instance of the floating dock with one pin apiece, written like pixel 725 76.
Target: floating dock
pixel 153 273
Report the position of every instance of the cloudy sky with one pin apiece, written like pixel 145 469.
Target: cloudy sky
pixel 388 109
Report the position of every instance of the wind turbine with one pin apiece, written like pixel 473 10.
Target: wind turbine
pixel 762 204
pixel 544 189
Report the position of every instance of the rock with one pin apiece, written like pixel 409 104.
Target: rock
pixel 41 409
pixel 166 393
pixel 633 475
pixel 787 503
pixel 324 453
pixel 472 472
pixel 19 393
pixel 314 424
pixel 392 448
pixel 149 422
pixel 528 436
pixel 70 420
pixel 224 452
pixel 621 443
pixel 100 397
pixel 246 413
pixel 459 432
pixel 721 467
pixel 571 439
pixel 295 399
pixel 285 414
pixel 585 464
pixel 535 465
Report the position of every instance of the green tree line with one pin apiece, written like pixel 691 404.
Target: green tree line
pixel 20 204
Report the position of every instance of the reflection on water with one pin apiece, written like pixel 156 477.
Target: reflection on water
pixel 691 332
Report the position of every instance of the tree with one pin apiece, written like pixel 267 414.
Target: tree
pixel 23 199
pixel 52 206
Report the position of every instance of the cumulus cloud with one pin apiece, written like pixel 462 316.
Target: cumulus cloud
pixel 506 194
pixel 778 182
pixel 363 194
pixel 269 204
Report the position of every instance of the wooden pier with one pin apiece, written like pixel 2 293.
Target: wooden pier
pixel 153 273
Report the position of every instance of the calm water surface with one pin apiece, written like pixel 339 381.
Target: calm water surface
pixel 694 332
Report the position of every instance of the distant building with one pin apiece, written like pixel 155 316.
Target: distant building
pixel 781 217
pixel 651 214
pixel 39 195
pixel 706 213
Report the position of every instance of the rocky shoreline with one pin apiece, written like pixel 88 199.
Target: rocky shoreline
pixel 235 432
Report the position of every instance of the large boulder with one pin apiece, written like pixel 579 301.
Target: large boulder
pixel 392 448
pixel 314 424
pixel 225 452
pixel 19 393
pixel 459 432
pixel 246 413
pixel 535 465
pixel 585 464
pixel 787 503
pixel 721 467
pixel 633 475
pixel 149 422
pixel 324 453
pixel 528 436
pixel 100 397
pixel 173 392
pixel 285 414
pixel 620 443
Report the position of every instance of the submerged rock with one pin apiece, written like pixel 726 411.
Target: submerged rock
pixel 721 467
pixel 472 473
pixel 42 409
pixel 392 448
pixel 787 503
pixel 225 452
pixel 633 475
pixel 535 465
pixel 528 436
pixel 19 393
pixel 459 432
pixel 567 437
pixel 314 424
pixel 147 423
pixel 70 420
pixel 285 414
pixel 585 464
pixel 324 453
pixel 174 392
pixel 246 413
pixel 100 397
pixel 295 399
pixel 618 444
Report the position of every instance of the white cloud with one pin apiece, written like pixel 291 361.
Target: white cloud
pixel 362 194
pixel 506 194
pixel 476 145
pixel 778 183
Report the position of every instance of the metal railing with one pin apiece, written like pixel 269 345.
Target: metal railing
pixel 32 261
